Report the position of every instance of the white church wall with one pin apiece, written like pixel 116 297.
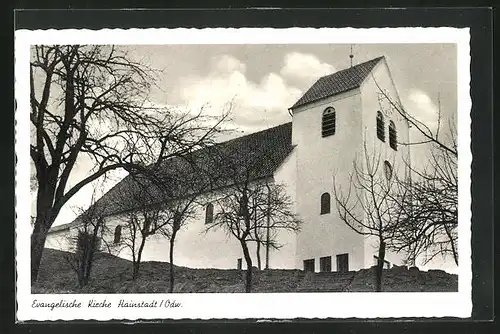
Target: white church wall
pixel 318 160
pixel 370 89
pixel 194 247
pixel 216 249
pixel 286 174
pixel 60 240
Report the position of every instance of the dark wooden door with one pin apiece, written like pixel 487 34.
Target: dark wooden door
pixel 309 265
pixel 325 264
pixel 343 263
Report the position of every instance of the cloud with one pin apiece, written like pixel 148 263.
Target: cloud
pixel 421 106
pixel 227 64
pixel 257 104
pixel 304 67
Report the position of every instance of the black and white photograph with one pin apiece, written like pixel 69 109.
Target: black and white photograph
pixel 176 168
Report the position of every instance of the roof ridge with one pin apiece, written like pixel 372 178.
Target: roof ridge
pixel 337 82
pixel 375 60
pixel 251 134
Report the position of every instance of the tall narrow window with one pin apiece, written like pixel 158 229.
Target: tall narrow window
pixel 239 264
pixel 380 126
pixel 325 203
pixel 387 170
pixel 393 136
pixel 118 234
pixel 209 213
pixel 328 122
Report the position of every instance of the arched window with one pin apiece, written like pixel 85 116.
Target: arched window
pixel 325 203
pixel 209 214
pixel 387 170
pixel 380 126
pixel 328 122
pixel 118 234
pixel 393 136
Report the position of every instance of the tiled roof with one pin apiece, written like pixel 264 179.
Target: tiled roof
pixel 261 153
pixel 338 82
pixel 62 227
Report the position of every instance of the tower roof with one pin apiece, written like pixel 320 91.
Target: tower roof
pixel 338 82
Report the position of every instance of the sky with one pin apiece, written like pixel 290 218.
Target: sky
pixel 265 80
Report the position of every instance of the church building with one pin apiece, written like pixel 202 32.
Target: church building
pixel 337 120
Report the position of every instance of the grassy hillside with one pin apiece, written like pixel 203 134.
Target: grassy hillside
pixel 113 275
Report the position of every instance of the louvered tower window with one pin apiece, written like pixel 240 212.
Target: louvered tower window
pixel 393 136
pixel 380 126
pixel 328 122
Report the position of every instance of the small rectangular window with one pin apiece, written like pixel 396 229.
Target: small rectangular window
pixel 309 265
pixel 325 264
pixel 239 264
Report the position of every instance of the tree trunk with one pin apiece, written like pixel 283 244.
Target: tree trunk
pixel 258 255
pixel 135 271
pixel 257 239
pixel 137 263
pixel 89 259
pixel 86 263
pixel 267 245
pixel 452 245
pixel 248 260
pixel 172 274
pixel 380 266
pixel 38 237
pixel 268 219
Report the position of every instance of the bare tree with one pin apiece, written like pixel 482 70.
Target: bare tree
pixel 429 210
pixel 251 206
pixel 273 213
pixel 435 137
pixel 429 199
pixel 179 214
pixel 160 205
pixel 366 206
pixel 144 216
pixel 183 183
pixel 93 101
pixel 243 212
pixel 87 242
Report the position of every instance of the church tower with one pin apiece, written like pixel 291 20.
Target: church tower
pixel 333 124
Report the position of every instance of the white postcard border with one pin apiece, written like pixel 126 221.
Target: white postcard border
pixel 257 305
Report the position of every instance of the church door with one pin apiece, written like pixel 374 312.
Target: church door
pixel 343 263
